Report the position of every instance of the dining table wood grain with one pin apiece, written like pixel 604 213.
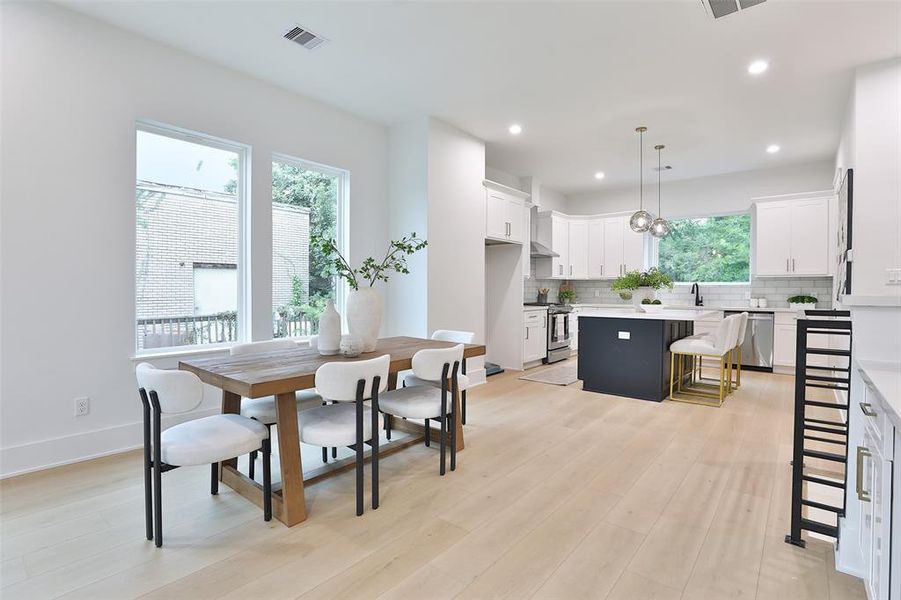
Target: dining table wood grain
pixel 282 373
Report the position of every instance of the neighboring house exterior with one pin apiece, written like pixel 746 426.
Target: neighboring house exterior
pixel 186 255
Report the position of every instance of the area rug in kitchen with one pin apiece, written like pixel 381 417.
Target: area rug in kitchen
pixel 564 374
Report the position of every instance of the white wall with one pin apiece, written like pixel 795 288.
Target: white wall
pixel 407 299
pixel 72 89
pixel 728 193
pixel 871 144
pixel 456 260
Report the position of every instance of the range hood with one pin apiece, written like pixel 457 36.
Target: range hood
pixel 541 251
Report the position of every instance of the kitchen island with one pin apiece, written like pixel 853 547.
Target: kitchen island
pixel 626 352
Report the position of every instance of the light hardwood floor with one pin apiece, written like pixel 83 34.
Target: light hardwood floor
pixel 560 493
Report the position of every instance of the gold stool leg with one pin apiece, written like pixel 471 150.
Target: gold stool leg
pixel 672 372
pixel 738 369
pixel 722 379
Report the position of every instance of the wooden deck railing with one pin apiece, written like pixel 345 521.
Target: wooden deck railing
pixel 164 332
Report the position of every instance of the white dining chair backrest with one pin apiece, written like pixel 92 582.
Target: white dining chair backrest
pixel 725 334
pixel 178 391
pixel 428 364
pixel 450 335
pixel 742 328
pixel 264 346
pixel 338 380
pixel 732 337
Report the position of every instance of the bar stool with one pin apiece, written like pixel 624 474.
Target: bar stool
pixel 699 347
pixel 736 355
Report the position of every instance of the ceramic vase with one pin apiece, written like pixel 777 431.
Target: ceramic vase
pixel 329 340
pixel 364 316
pixel 641 293
pixel 351 345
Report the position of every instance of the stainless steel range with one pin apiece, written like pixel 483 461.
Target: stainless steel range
pixel 558 334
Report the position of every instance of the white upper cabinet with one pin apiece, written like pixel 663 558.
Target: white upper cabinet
pixel 506 215
pixel 596 249
pixel 578 249
pixel 613 246
pixel 792 237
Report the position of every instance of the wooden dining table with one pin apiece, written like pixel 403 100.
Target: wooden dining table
pixel 281 374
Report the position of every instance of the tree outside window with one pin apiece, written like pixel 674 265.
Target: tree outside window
pixel 709 249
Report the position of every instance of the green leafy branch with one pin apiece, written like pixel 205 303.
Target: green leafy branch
pixel 652 278
pixel 371 270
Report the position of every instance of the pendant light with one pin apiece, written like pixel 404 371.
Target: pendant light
pixel 660 227
pixel 641 220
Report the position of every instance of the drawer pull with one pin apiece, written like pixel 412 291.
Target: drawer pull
pixel 867 409
pixel 862 453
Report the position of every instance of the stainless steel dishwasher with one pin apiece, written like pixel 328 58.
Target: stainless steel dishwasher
pixel 757 349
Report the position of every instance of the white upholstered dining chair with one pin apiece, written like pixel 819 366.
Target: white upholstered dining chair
pixel 347 421
pixel 427 401
pixel 719 347
pixel 264 409
pixel 208 440
pixel 457 337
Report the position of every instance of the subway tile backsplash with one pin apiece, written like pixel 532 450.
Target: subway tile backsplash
pixel 775 289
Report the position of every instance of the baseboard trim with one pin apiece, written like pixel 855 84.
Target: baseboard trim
pixel 476 377
pixel 79 447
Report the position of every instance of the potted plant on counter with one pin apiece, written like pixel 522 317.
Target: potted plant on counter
pixel 802 302
pixel 566 294
pixel 641 285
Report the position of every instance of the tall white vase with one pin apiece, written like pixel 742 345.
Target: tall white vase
pixel 364 316
pixel 643 293
pixel 329 340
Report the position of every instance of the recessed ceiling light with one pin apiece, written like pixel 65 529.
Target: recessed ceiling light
pixel 772 148
pixel 515 129
pixel 758 66
pixel 599 175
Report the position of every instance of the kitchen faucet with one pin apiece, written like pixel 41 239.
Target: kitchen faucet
pixel 696 290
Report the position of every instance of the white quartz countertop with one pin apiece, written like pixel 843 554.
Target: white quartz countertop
pixel 885 378
pixel 664 315
pixel 784 309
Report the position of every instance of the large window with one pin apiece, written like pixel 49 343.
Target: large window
pixel 307 202
pixel 188 198
pixel 709 249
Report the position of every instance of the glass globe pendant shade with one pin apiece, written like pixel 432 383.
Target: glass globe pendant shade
pixel 660 228
pixel 640 221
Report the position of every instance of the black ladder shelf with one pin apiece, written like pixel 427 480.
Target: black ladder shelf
pixel 831 431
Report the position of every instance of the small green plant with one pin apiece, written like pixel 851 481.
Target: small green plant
pixel 656 301
pixel 566 296
pixel 802 300
pixel 649 301
pixel 652 278
pixel 370 270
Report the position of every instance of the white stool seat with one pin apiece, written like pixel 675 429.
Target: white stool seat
pixel 417 402
pixel 695 345
pixel 211 439
pixel 263 409
pixel 334 425
pixel 412 380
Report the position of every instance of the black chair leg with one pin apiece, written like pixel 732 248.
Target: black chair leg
pixel 148 493
pixel 251 469
pixel 388 427
pixel 157 505
pixel 428 441
pixel 463 407
pixel 214 479
pixel 267 480
pixel 324 454
pixel 443 442
pixel 453 441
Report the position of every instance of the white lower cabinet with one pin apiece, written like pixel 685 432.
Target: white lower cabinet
pixel 873 452
pixel 785 342
pixel 534 335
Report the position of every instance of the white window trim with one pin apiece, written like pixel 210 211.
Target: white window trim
pixel 244 296
pixel 342 223
pixel 655 248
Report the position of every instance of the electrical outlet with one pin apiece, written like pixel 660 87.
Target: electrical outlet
pixel 893 276
pixel 82 406
pixel 747 295
pixel 597 293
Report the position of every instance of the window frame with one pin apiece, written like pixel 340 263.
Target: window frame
pixel 655 246
pixel 245 160
pixel 342 223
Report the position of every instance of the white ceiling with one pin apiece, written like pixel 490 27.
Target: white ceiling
pixel 579 77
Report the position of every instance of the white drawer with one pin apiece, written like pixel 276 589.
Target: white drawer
pixel 786 318
pixel 873 415
pixel 534 317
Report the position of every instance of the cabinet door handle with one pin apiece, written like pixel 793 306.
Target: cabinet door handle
pixel 867 409
pixel 786 265
pixel 570 269
pixel 793 265
pixel 527 332
pixel 561 270
pixel 862 453
pixel 602 270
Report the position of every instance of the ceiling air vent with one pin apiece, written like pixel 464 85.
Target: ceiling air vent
pixel 304 37
pixel 721 8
